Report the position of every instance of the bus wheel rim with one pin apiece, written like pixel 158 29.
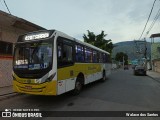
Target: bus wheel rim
pixel 78 86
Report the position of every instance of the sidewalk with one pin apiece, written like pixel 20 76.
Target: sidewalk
pixel 6 92
pixel 154 75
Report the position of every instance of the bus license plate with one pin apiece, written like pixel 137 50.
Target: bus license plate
pixel 28 87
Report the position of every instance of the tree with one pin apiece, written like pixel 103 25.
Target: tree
pixel 99 40
pixel 119 57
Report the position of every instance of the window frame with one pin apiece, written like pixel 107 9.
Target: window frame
pixel 64 41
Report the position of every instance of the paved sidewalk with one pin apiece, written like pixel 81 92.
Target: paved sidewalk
pixel 154 75
pixel 6 90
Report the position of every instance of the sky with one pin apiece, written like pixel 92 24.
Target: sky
pixel 121 20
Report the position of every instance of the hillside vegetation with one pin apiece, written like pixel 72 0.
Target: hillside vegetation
pixel 130 48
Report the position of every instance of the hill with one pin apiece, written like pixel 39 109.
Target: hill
pixel 130 48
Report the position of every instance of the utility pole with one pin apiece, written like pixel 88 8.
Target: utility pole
pixel 123 61
pixel 145 53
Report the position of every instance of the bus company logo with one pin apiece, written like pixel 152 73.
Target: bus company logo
pixel 7 113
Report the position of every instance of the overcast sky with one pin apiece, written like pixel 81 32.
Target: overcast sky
pixel 122 20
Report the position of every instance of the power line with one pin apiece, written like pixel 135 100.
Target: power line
pixel 147 19
pixel 7 6
pixel 3 5
pixel 154 21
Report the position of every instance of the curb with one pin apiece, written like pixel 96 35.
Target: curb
pixel 154 78
pixel 8 95
pixel 6 86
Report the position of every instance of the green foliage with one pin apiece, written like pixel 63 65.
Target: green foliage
pixel 99 40
pixel 119 57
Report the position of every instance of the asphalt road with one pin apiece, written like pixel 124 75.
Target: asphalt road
pixel 121 92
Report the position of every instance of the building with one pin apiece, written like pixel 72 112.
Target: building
pixel 155 52
pixel 10 28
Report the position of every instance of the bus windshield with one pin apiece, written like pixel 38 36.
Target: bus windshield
pixel 33 55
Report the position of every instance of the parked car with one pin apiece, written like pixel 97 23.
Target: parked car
pixel 139 70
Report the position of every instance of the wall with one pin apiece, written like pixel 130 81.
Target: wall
pixel 157 66
pixel 8 35
pixel 155 52
pixel 10 28
pixel 5 72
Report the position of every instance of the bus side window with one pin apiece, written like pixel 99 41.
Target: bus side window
pixel 67 54
pixel 59 55
pixel 79 53
pixel 95 60
pixel 64 53
pixel 104 58
pixel 100 58
pixel 88 55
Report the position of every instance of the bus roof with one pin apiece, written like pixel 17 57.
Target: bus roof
pixel 59 33
pixel 79 41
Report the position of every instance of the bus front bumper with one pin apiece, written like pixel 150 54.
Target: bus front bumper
pixel 47 88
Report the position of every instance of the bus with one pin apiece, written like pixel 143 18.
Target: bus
pixel 49 62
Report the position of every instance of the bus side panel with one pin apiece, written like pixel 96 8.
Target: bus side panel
pixel 92 72
pixel 66 79
pixel 67 75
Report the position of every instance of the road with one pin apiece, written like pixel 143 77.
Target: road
pixel 121 92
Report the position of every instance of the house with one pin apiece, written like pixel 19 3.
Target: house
pixel 155 52
pixel 10 28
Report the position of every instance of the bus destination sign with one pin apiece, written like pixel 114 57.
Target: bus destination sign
pixel 36 36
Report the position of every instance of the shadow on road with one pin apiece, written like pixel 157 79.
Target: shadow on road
pixel 65 99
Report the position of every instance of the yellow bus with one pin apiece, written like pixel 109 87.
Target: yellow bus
pixel 49 62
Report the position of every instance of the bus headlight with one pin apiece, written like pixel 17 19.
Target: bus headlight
pixel 50 78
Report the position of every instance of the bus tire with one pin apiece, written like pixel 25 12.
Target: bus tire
pixel 104 76
pixel 78 87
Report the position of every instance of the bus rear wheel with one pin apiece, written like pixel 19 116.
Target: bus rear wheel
pixel 104 76
pixel 78 87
